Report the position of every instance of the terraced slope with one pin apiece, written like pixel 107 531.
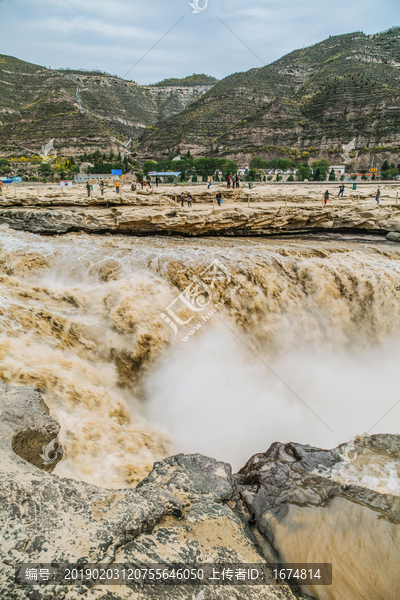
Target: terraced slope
pixel 308 103
pixel 83 111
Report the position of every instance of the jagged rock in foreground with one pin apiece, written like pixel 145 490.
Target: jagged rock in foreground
pixel 181 513
pixel 308 513
pixel 292 503
pixel 222 221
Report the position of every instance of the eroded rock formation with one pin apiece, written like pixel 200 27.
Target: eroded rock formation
pixel 285 505
pixel 180 513
pixel 235 221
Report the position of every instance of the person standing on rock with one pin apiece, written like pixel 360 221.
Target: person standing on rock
pixel 326 197
pixel 117 184
pixel 341 191
pixel 228 182
pixel 102 188
pixel 157 180
pixel 189 199
pixel 378 196
pixel 219 198
pixel 182 199
pixel 1 187
pixel 209 182
pixel 88 188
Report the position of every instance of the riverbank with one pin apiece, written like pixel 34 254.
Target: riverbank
pixel 265 210
pixel 202 221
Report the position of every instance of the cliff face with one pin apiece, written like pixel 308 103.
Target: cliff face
pixel 171 100
pixel 134 216
pixel 309 103
pixel 82 111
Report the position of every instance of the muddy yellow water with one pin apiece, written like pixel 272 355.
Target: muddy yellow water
pixel 143 347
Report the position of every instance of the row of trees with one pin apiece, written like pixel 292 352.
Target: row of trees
pixel 320 169
pixel 389 171
pixel 189 167
pixel 282 164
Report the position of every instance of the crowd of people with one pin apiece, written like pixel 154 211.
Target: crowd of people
pixel 235 182
pixel 188 198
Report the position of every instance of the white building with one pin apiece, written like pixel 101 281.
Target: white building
pixel 339 169
pixel 83 177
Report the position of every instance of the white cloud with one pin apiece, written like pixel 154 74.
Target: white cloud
pixel 115 35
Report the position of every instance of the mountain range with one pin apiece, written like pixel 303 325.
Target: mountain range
pixel 310 103
pixel 83 110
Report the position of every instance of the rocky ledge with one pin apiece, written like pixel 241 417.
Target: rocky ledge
pixel 197 222
pixel 283 506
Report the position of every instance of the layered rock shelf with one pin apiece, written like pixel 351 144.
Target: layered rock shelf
pixel 235 221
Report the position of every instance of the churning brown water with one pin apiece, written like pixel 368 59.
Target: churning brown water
pixel 306 349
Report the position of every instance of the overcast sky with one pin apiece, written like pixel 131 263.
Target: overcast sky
pixel 114 35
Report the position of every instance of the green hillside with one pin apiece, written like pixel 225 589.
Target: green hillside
pixel 310 101
pixel 192 80
pixel 83 110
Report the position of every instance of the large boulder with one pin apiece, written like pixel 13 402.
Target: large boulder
pixel 183 512
pixel 331 506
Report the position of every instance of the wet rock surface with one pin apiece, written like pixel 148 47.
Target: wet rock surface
pixel 306 516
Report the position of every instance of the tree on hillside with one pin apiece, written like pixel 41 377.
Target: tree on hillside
pixel 284 164
pixel 149 165
pixel 332 175
pixel 322 162
pixel 273 164
pixel 303 171
pixel 319 173
pixel 45 168
pixel 230 168
pixel 256 162
pixel 385 166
